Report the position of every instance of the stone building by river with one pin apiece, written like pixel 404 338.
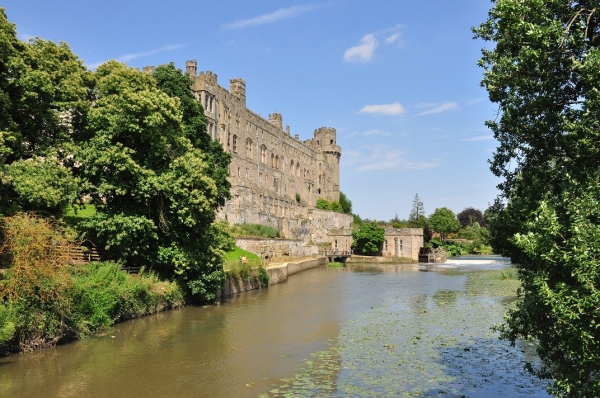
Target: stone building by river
pixel 276 178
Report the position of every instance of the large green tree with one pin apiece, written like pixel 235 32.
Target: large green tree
pixel 443 221
pixel 544 73
pixel 152 186
pixel 368 238
pixel 44 101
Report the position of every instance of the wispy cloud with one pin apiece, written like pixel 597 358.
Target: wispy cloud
pixel 282 13
pixel 130 57
pixel 437 108
pixel 479 138
pixel 363 51
pixel 384 109
pixel 381 158
pixel 392 38
pixel 475 100
pixel 374 132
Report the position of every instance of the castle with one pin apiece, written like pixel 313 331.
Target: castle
pixel 276 179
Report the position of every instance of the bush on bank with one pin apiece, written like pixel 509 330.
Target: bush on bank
pixel 45 299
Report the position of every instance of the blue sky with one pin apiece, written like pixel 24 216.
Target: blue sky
pixel 397 79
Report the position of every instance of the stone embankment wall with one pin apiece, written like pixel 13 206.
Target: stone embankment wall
pixel 269 248
pixel 277 275
pixel 379 259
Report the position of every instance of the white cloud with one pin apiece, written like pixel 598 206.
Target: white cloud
pixel 375 132
pixel 476 100
pixel 384 109
pixel 363 51
pixel 392 38
pixel 437 108
pixel 282 13
pixel 479 138
pixel 130 57
pixel 381 158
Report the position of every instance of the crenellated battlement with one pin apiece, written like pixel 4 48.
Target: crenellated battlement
pixel 209 77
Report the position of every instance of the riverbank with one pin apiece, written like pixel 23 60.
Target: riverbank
pixel 278 273
pixel 73 302
pixel 370 330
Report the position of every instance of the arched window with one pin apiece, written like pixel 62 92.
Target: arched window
pixel 292 166
pixel 272 160
pixel 277 162
pixel 235 143
pixel 248 148
pixel 263 154
pixel 297 169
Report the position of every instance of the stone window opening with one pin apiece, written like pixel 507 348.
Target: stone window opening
pixel 247 171
pixel 239 172
pixel 277 162
pixel 260 177
pixel 273 160
pixel 235 143
pixel 297 169
pixel 248 148
pixel 386 245
pixel 263 154
pixel 319 190
pixel 331 142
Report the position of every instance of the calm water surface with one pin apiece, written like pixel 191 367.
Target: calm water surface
pixel 359 331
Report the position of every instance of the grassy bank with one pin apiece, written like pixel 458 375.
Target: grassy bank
pixel 250 270
pixel 80 301
pixel 46 299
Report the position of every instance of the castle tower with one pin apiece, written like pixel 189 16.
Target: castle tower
pixel 237 87
pixel 191 67
pixel 325 140
pixel 276 120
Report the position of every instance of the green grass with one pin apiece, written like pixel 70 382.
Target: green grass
pixel 75 214
pixel 255 230
pixel 335 265
pixel 238 252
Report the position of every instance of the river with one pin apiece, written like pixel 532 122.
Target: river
pixel 361 331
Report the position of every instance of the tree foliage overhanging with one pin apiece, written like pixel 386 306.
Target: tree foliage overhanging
pixel 134 143
pixel 544 74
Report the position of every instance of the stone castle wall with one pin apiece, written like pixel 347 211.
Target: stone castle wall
pixel 276 179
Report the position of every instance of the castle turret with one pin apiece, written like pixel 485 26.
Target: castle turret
pixel 325 140
pixel 191 67
pixel 276 120
pixel 237 87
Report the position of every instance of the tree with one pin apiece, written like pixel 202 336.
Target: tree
pixel 443 221
pixel 152 187
pixel 543 72
pixel 345 203
pixel 44 103
pixel 368 238
pixel 417 218
pixel 170 80
pixel 469 216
